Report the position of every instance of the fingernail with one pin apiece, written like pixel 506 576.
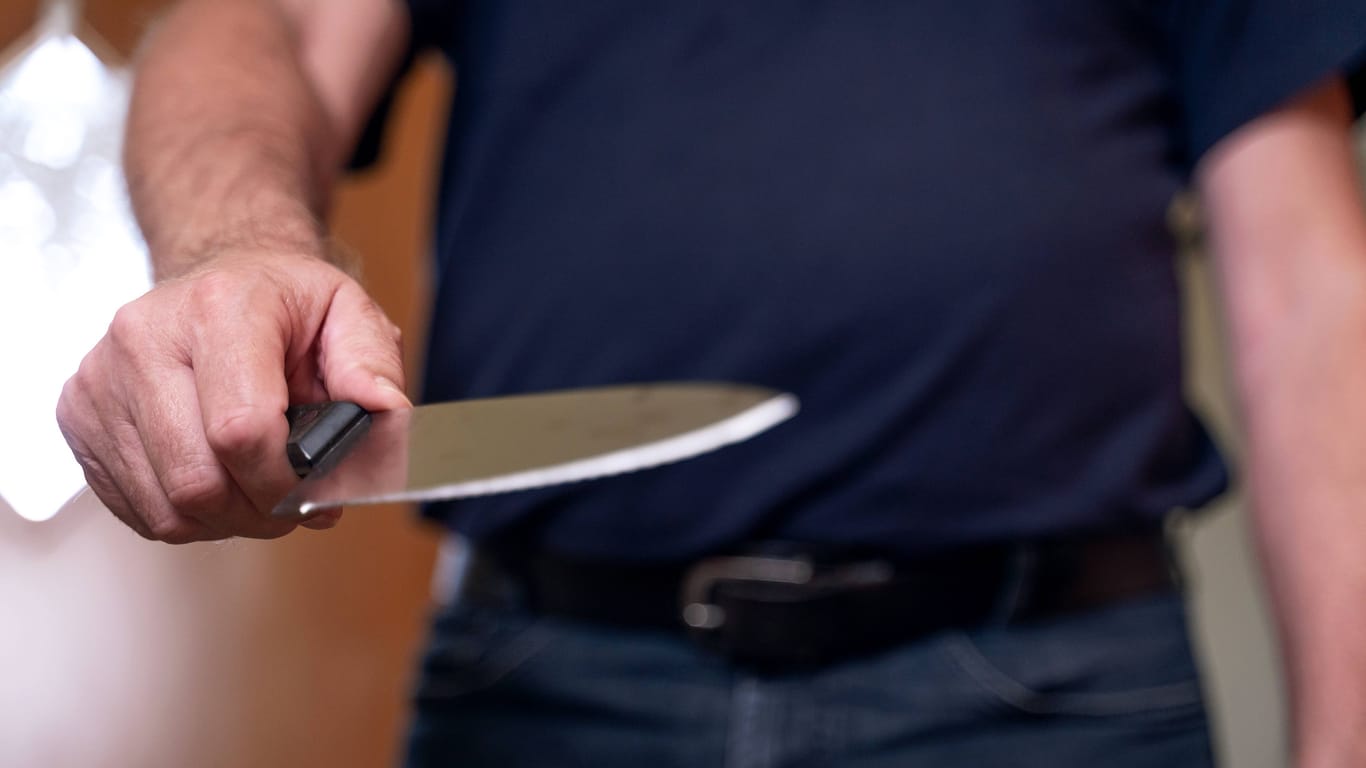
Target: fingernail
pixel 324 520
pixel 385 383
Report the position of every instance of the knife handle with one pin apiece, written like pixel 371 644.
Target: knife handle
pixel 319 431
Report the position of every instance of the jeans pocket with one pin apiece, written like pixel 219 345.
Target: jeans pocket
pixel 473 648
pixel 1130 659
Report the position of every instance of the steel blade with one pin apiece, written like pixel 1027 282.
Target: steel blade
pixel 495 445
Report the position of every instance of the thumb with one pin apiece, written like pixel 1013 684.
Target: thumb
pixel 359 356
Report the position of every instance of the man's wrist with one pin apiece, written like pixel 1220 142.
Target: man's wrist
pixel 282 227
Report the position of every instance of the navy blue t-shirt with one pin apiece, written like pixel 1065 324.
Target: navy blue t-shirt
pixel 940 224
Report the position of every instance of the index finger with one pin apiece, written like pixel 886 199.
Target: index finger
pixel 240 380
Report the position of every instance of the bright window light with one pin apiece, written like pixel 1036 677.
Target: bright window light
pixel 70 253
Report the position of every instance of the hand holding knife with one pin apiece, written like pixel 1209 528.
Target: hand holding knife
pixel 495 445
pixel 175 415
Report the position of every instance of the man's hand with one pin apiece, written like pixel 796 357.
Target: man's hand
pixel 242 113
pixel 177 415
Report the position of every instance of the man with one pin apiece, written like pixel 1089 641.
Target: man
pixel 940 225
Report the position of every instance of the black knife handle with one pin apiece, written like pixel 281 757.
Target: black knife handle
pixel 322 430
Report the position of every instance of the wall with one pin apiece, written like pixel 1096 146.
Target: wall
pixel 1229 611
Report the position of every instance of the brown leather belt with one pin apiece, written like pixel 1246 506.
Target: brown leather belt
pixel 784 606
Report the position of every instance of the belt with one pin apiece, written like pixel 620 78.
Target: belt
pixel 785 606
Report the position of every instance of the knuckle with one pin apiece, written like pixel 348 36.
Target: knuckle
pixel 66 409
pixel 128 327
pixel 103 486
pixel 214 289
pixel 234 434
pixel 185 536
pixel 384 327
pixel 219 294
pixel 195 488
pixel 171 529
pixel 95 474
pixel 383 347
pixel 162 526
pixel 74 412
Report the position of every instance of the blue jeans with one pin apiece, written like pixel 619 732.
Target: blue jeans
pixel 1115 687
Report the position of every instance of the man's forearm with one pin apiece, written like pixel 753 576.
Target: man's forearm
pixel 1288 224
pixel 1307 475
pixel 229 144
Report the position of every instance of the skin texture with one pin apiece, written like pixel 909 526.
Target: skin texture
pixel 242 113
pixel 1286 218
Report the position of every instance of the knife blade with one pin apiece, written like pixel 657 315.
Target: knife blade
pixel 349 457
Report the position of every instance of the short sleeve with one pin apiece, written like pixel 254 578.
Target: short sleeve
pixel 432 25
pixel 1237 59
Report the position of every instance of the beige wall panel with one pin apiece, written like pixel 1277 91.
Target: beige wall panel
pixel 1230 615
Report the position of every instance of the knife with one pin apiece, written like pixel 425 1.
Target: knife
pixel 348 457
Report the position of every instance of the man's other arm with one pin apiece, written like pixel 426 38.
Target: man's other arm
pixel 1288 225
pixel 242 114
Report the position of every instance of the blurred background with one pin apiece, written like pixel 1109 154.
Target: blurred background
pixel 119 652
pixel 116 652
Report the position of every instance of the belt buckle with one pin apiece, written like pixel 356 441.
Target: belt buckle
pixel 703 616
pixel 703 608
